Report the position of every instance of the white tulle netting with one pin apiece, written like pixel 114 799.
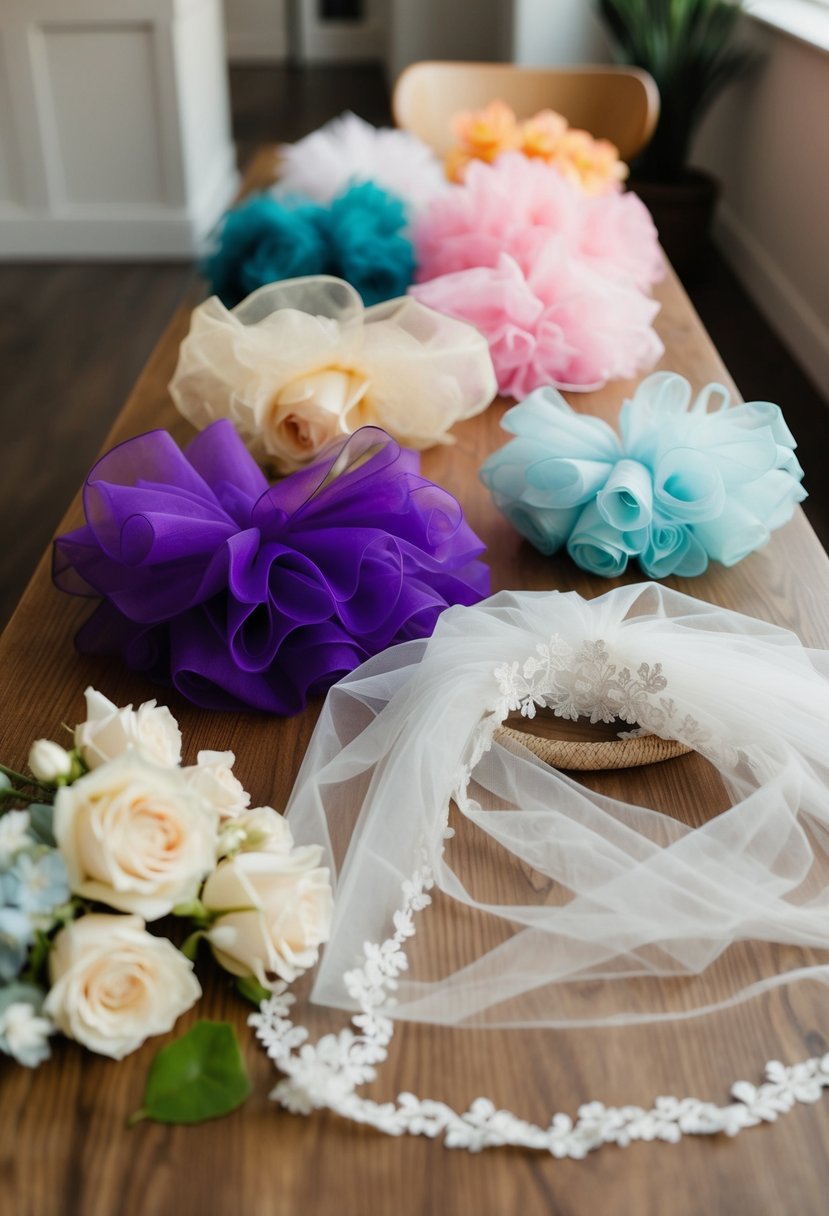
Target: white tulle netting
pixel 553 905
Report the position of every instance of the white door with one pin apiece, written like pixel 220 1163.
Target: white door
pixel 331 30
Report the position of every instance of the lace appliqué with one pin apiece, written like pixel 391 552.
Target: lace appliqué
pixel 583 683
pixel 327 1074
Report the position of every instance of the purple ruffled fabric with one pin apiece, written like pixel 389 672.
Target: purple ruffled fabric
pixel 244 594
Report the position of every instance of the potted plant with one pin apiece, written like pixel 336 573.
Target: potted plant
pixel 686 45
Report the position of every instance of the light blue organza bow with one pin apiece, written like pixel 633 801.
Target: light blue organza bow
pixel 684 481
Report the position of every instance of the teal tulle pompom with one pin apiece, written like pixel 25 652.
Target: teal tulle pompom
pixel 370 251
pixel 360 237
pixel 261 241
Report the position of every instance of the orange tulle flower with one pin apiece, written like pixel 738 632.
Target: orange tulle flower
pixel 485 134
pixel 593 164
pixel 541 134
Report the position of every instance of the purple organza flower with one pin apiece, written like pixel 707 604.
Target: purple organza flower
pixel 245 594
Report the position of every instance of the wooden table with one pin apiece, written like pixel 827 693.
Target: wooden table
pixel 64 1147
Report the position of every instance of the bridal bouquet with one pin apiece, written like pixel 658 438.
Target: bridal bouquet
pixel 114 835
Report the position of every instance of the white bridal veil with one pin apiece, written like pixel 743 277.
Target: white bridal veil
pixel 548 897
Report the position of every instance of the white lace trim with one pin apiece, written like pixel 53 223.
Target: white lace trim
pixel 328 1073
pixel 583 683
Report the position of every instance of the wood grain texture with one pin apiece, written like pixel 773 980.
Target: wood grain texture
pixel 64 1148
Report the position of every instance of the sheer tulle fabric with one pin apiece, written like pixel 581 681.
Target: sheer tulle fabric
pixel 300 363
pixel 546 887
pixel 556 281
pixel 243 594
pixel 348 149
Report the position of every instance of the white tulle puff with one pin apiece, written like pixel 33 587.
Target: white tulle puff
pixel 347 150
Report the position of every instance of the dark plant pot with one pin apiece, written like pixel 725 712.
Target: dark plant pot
pixel 682 212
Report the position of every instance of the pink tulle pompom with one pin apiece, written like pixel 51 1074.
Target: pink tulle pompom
pixel 563 325
pixel 553 279
pixel 620 239
pixel 501 208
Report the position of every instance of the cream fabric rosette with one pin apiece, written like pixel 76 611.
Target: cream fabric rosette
pixel 301 362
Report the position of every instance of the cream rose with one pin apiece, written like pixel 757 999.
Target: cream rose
pixel 259 830
pixel 135 836
pixel 108 732
pixel 212 778
pixel 114 984
pixel 308 412
pixel 278 912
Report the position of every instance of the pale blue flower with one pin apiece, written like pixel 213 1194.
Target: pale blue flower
pixel 37 883
pixel 14 835
pixel 16 935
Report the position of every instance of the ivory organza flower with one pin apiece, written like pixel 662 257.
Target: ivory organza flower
pixel 590 163
pixel 301 363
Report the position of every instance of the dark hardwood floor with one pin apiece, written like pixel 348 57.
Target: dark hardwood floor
pixel 73 337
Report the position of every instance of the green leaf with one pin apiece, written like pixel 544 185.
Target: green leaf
pixel 200 1076
pixel 21 990
pixel 252 990
pixel 41 816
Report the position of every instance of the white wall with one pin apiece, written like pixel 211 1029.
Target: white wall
pixel 446 29
pixel 767 139
pixel 558 32
pixel 114 127
pixel 256 30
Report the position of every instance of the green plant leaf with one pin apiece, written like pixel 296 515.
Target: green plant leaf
pixel 200 1076
pixel 687 46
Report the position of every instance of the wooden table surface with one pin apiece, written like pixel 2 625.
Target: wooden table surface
pixel 64 1146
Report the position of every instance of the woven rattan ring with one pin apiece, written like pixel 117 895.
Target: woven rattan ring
pixel 607 754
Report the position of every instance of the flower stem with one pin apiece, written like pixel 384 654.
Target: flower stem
pixel 15 776
pixel 13 795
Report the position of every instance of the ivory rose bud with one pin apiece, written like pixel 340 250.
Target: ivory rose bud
pixel 114 984
pixel 278 913
pixel 49 761
pixel 212 778
pixel 108 732
pixel 135 836
pixel 308 413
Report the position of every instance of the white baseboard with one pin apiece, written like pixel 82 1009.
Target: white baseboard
pixel 801 328
pixel 101 231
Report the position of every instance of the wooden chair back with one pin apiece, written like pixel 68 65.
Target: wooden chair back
pixel 616 103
